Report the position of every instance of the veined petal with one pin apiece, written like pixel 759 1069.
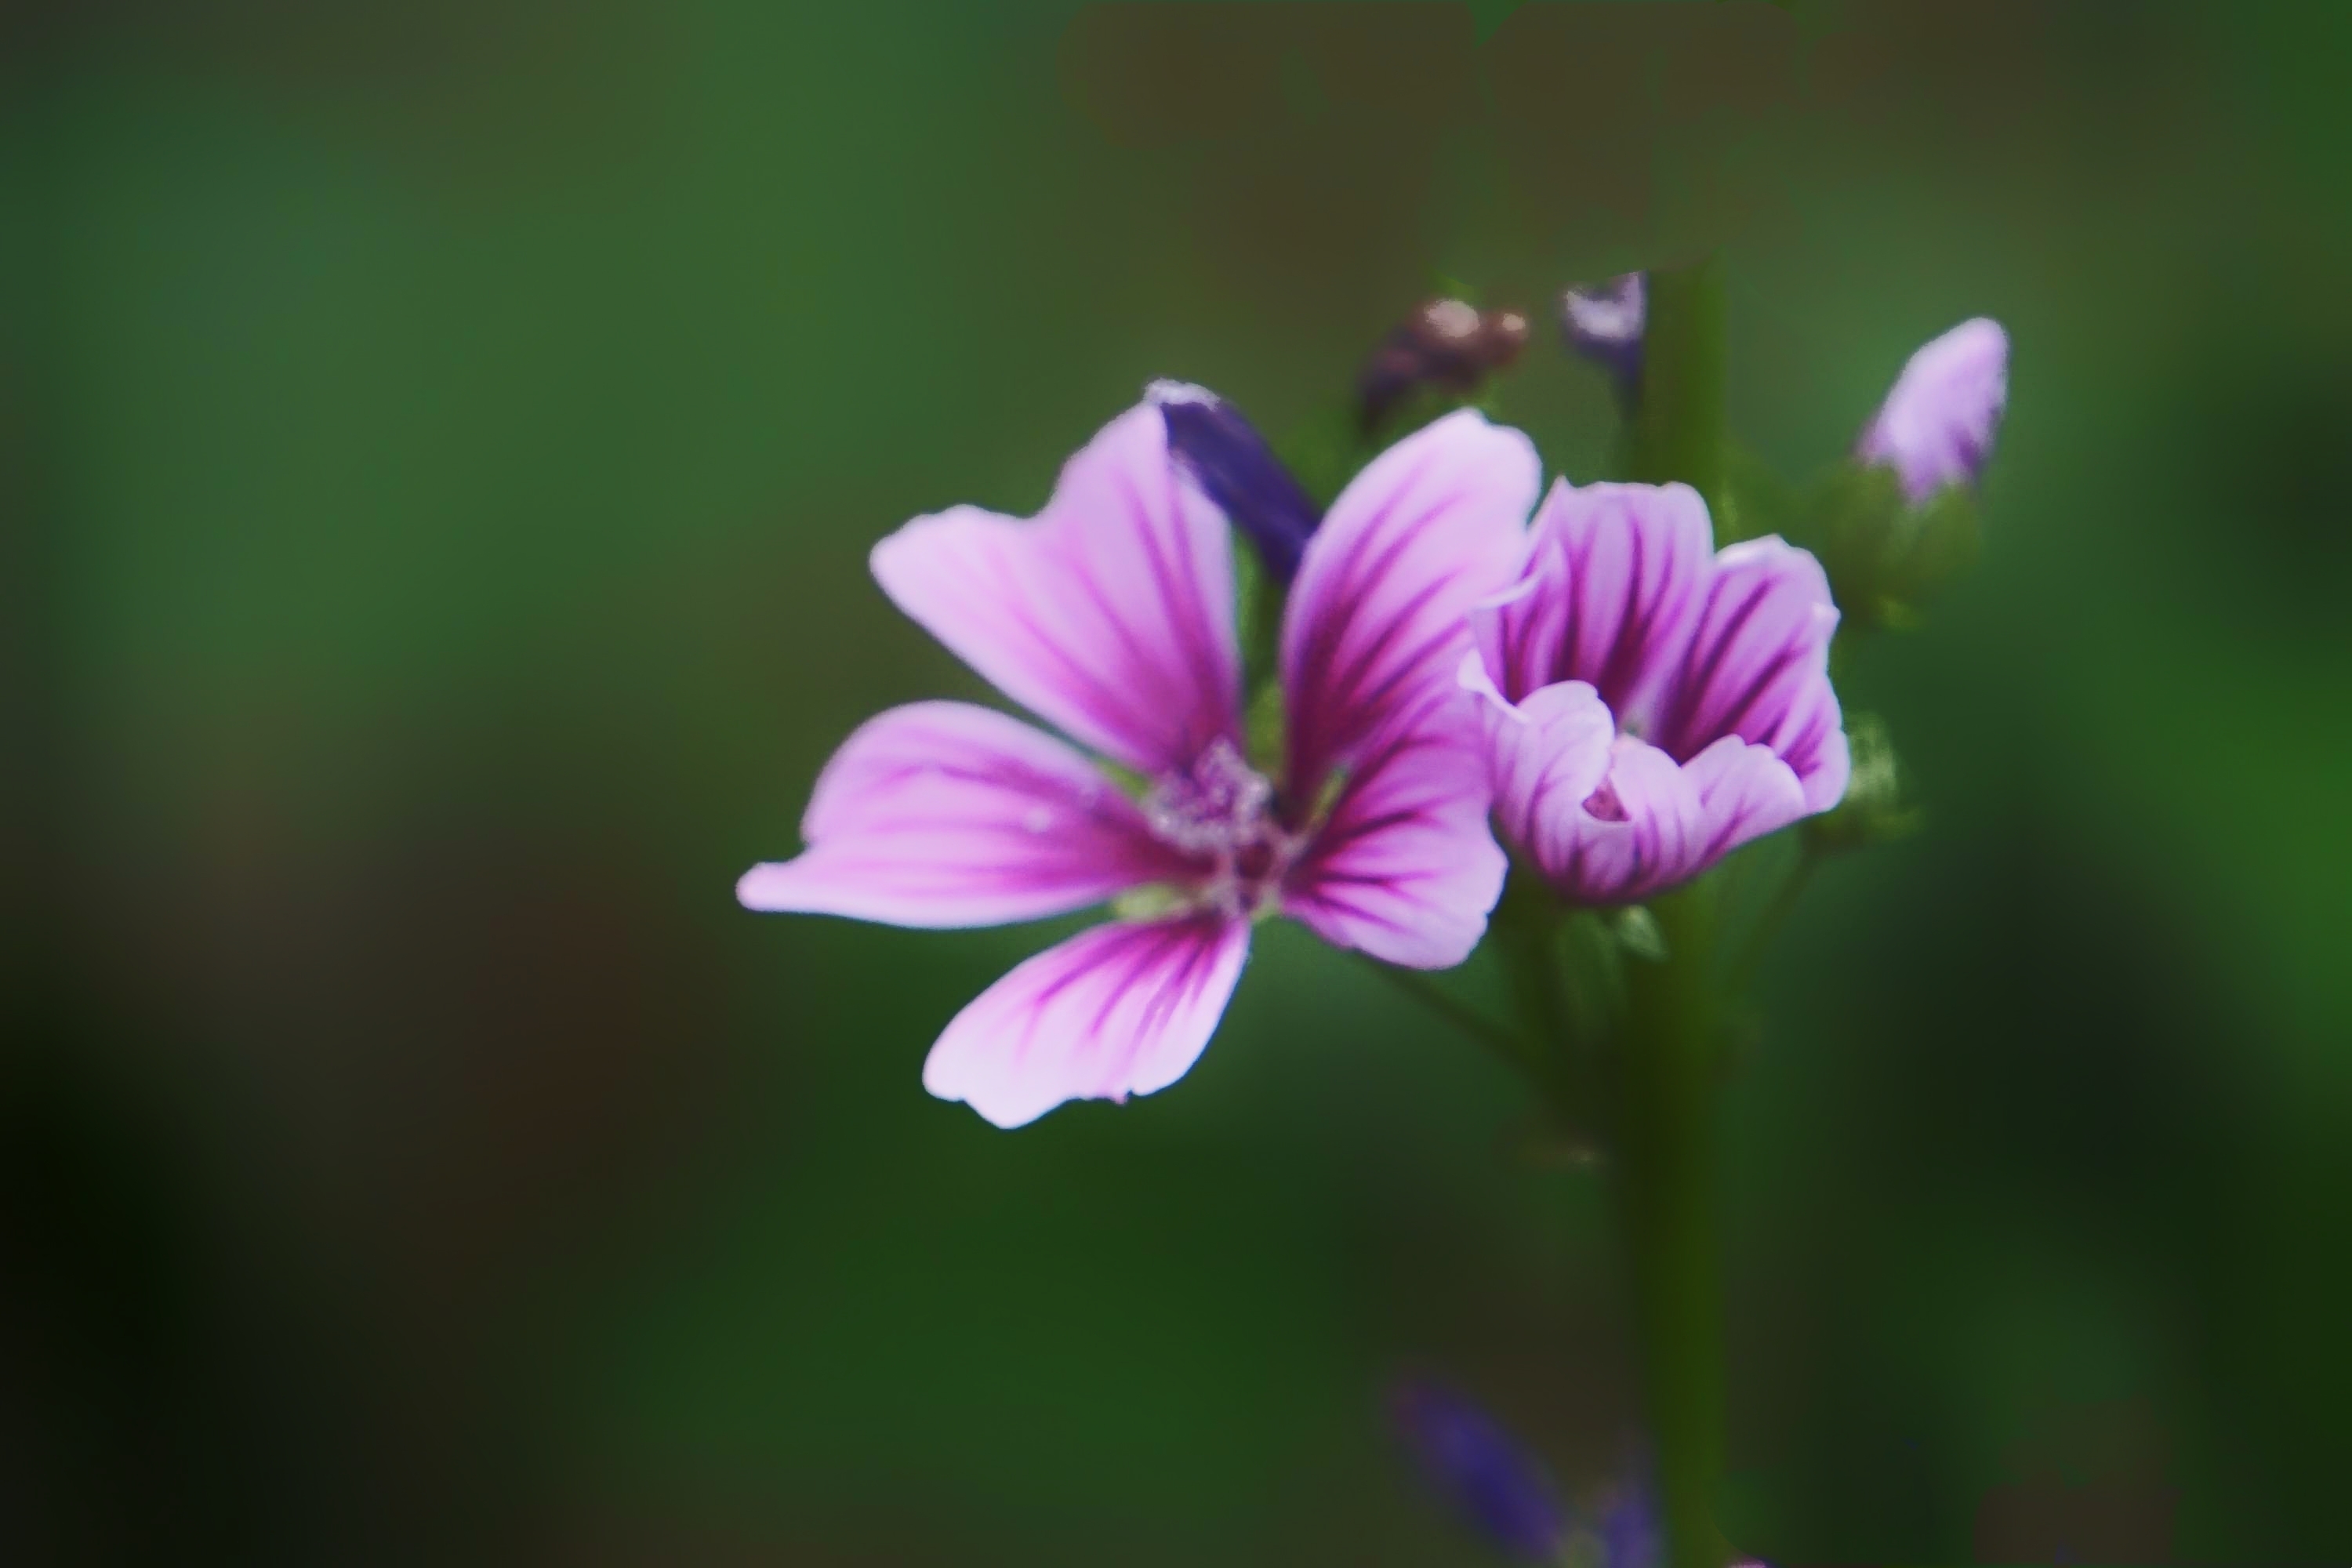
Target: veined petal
pixel 1110 613
pixel 1405 868
pixel 1744 793
pixel 1811 740
pixel 1435 524
pixel 1644 830
pixel 1758 664
pixel 1118 1010
pixel 943 814
pixel 1544 756
pixel 1616 578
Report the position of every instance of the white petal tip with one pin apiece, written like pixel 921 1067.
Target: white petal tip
pixel 760 889
pixel 1164 392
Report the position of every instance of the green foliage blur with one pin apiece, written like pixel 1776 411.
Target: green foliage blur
pixel 439 443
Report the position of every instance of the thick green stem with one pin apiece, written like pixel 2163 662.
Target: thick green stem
pixel 1670 1050
pixel 1526 930
pixel 1665 1172
pixel 1678 430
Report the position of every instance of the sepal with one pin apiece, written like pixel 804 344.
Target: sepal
pixel 1875 810
pixel 1888 559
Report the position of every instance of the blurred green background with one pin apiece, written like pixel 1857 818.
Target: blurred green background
pixel 441 445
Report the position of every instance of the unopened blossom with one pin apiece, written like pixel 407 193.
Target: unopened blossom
pixel 1604 322
pixel 1230 461
pixel 1110 616
pixel 1650 703
pixel 1496 1485
pixel 1445 345
pixel 1936 426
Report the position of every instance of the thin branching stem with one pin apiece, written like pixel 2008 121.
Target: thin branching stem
pixel 1504 1042
pixel 1770 921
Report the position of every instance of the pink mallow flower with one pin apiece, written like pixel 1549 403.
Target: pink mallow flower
pixel 1936 426
pixel 1649 703
pixel 1110 616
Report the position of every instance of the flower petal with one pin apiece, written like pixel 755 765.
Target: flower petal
pixel 1744 793
pixel 1604 321
pixel 1230 462
pixel 1110 613
pixel 1811 740
pixel 943 814
pixel 1757 666
pixel 1406 868
pixel 1498 1485
pixel 1118 1010
pixel 1936 426
pixel 1616 577
pixel 1435 524
pixel 1642 831
pixel 1544 756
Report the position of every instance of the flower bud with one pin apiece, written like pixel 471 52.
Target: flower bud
pixel 1936 428
pixel 1447 346
pixel 1234 467
pixel 1604 321
pixel 1888 557
pixel 1496 1484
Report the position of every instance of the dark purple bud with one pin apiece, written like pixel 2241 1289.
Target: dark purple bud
pixel 1604 321
pixel 1234 467
pixel 1498 1486
pixel 1449 345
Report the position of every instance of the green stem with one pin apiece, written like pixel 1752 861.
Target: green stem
pixel 1668 1057
pixel 1768 922
pixel 1527 929
pixel 1678 430
pixel 1664 1174
pixel 1506 1044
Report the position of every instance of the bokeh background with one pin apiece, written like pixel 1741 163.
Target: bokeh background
pixel 440 443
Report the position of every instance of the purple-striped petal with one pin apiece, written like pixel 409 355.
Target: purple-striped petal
pixel 1757 666
pixel 1642 831
pixel 1405 868
pixel 1435 523
pixel 1744 793
pixel 1233 466
pixel 1118 1010
pixel 1936 426
pixel 1110 613
pixel 942 813
pixel 1616 578
pixel 1544 756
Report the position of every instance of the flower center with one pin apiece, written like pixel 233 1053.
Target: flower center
pixel 1221 810
pixel 1602 803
